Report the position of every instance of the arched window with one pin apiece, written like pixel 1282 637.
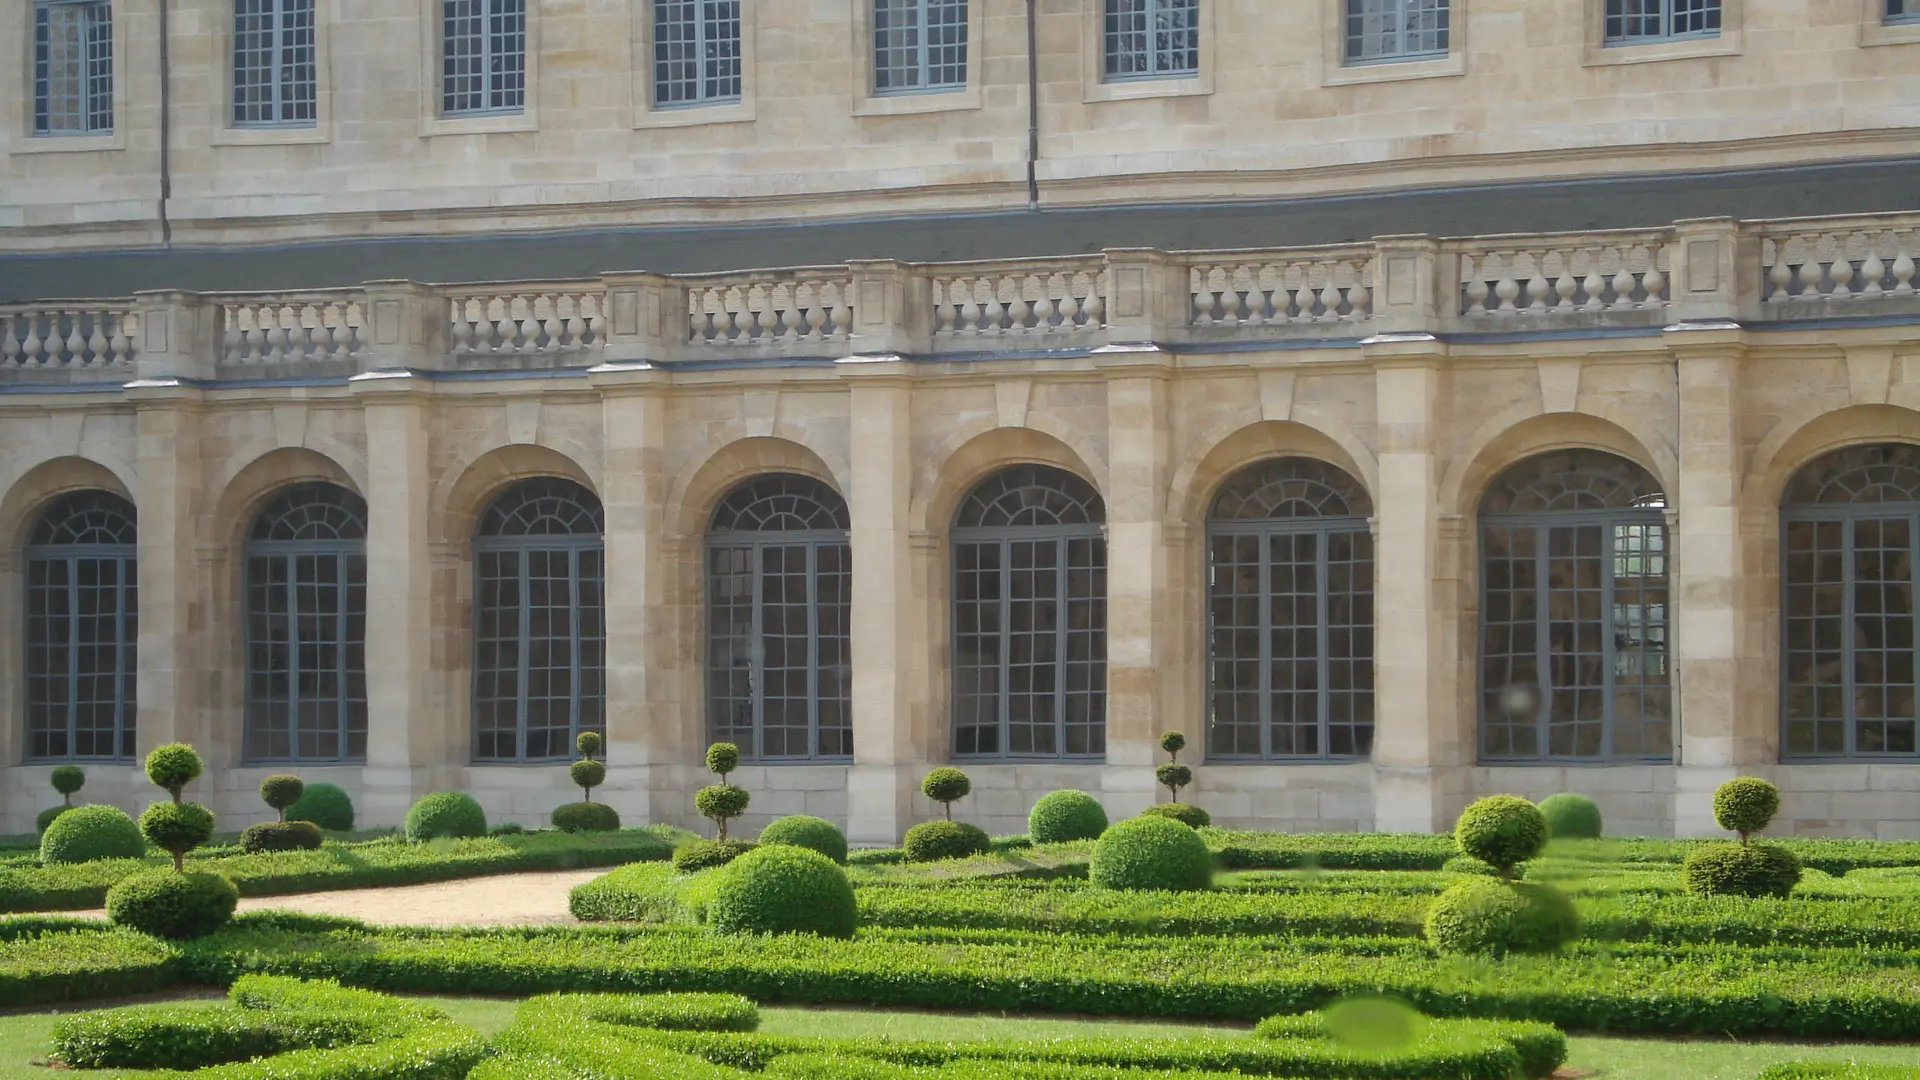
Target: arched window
pixel 1030 617
pixel 82 622
pixel 307 627
pixel 1848 535
pixel 1290 614
pixel 539 669
pixel 779 600
pixel 1573 612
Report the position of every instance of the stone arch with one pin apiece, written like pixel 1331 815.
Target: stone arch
pixel 251 485
pixel 1793 443
pixel 462 497
pixel 1228 449
pixel 48 480
pixel 1521 432
pixel 978 450
pixel 694 495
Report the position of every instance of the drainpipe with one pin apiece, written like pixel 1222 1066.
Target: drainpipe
pixel 166 129
pixel 1033 107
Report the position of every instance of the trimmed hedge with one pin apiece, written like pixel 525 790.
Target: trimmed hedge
pixel 1620 988
pixel 326 805
pixel 1741 870
pixel 782 889
pixel 1185 813
pixel 280 836
pixel 697 855
pixel 1066 815
pixel 1151 853
pixel 170 904
pixel 45 961
pixel 1499 917
pixel 1839 1070
pixel 586 817
pixel 803 830
pixel 445 815
pixel 934 841
pixel 87 833
pixel 1571 817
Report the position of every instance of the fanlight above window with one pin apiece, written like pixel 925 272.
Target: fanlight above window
pixel 781 503
pixel 544 506
pixel 1884 473
pixel 1565 480
pixel 311 511
pixel 85 517
pixel 1290 487
pixel 1031 495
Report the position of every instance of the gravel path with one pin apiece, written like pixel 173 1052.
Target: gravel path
pixel 501 900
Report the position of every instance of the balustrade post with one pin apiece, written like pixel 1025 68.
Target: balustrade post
pixel 892 308
pixel 1409 294
pixel 1149 296
pixel 180 335
pixel 646 318
pixel 406 325
pixel 1716 271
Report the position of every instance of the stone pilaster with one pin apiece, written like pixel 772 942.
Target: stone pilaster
pixel 404 735
pixel 647 732
pixel 1415 740
pixel 1140 628
pixel 1717 736
pixel 889 638
pixel 175 681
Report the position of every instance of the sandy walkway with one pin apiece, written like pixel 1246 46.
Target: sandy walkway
pixel 502 900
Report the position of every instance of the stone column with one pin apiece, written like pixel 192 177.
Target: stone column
pixel 890 646
pixel 180 336
pixel 1415 738
pixel 647 685
pixel 1717 737
pixel 404 737
pixel 408 325
pixel 173 683
pixel 1139 609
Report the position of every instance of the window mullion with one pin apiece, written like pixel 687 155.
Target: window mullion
pixel 120 717
pixel 1264 591
pixel 813 648
pixel 756 650
pixel 1003 692
pixel 1542 642
pixel 293 656
pixel 1061 622
pixel 700 39
pixel 573 644
pixel 524 618
pixel 1848 655
pixel 923 60
pixel 1609 626
pixel 73 655
pixel 1323 642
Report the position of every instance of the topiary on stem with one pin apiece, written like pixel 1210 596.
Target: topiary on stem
pixel 282 790
pixel 1173 776
pixel 173 767
pixel 1173 742
pixel 946 785
pixel 722 802
pixel 1502 831
pixel 68 779
pixel 1745 804
pixel 175 827
pixel 587 773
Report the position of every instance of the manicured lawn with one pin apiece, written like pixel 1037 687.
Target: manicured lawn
pixel 1654 1059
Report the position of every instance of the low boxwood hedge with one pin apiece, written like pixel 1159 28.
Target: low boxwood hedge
pixel 48 960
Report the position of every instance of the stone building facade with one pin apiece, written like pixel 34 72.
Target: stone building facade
pixel 1528 411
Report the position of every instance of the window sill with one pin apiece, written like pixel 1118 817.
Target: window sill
pixel 737 112
pixel 918 102
pixel 269 136
pixel 1438 67
pixel 1874 32
pixel 488 124
pixel 1141 89
pixel 1726 44
pixel 69 144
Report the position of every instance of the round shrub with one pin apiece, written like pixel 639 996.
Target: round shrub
pixel 705 854
pixel 588 743
pixel 176 828
pixel 172 905
pixel 1172 742
pixel 1498 917
pixel 1740 870
pixel 586 817
pixel 1745 804
pixel 326 805
pixel 173 767
pixel 280 836
pixel 947 785
pixel 587 773
pixel 1066 815
pixel 1185 813
pixel 45 817
pixel 1461 864
pixel 1151 853
pixel 282 790
pixel 812 833
pixel 782 889
pixel 1502 831
pixel 85 833
pixel 443 814
pixel 1571 817
pixel 1173 776
pixel 723 758
pixel 931 841
pixel 67 779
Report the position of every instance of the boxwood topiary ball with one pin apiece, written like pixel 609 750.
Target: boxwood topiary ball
pixel 85 833
pixel 173 766
pixel 176 827
pixel 1571 817
pixel 587 773
pixel 1151 853
pixel 67 779
pixel 326 805
pixel 946 784
pixel 280 836
pixel 445 814
pixel 588 743
pixel 586 817
pixel 932 841
pixel 45 817
pixel 1502 831
pixel 723 758
pixel 1485 915
pixel 705 854
pixel 1745 804
pixel 172 905
pixel 782 889
pixel 282 790
pixel 1185 813
pixel 1066 815
pixel 812 833
pixel 721 801
pixel 1740 870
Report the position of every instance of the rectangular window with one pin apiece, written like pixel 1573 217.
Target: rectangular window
pixel 273 63
pixel 72 67
pixel 919 45
pixel 1632 22
pixel 1903 11
pixel 1151 39
pixel 1388 30
pixel 483 56
pixel 696 52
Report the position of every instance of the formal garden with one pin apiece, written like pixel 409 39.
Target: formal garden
pixel 1526 944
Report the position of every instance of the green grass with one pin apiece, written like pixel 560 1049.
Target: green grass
pixel 1656 1059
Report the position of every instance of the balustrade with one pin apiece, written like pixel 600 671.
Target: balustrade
pixel 777 309
pixel 1263 291
pixel 1870 261
pixel 1548 277
pixel 277 331
pixel 67 337
pixel 558 321
pixel 1019 301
